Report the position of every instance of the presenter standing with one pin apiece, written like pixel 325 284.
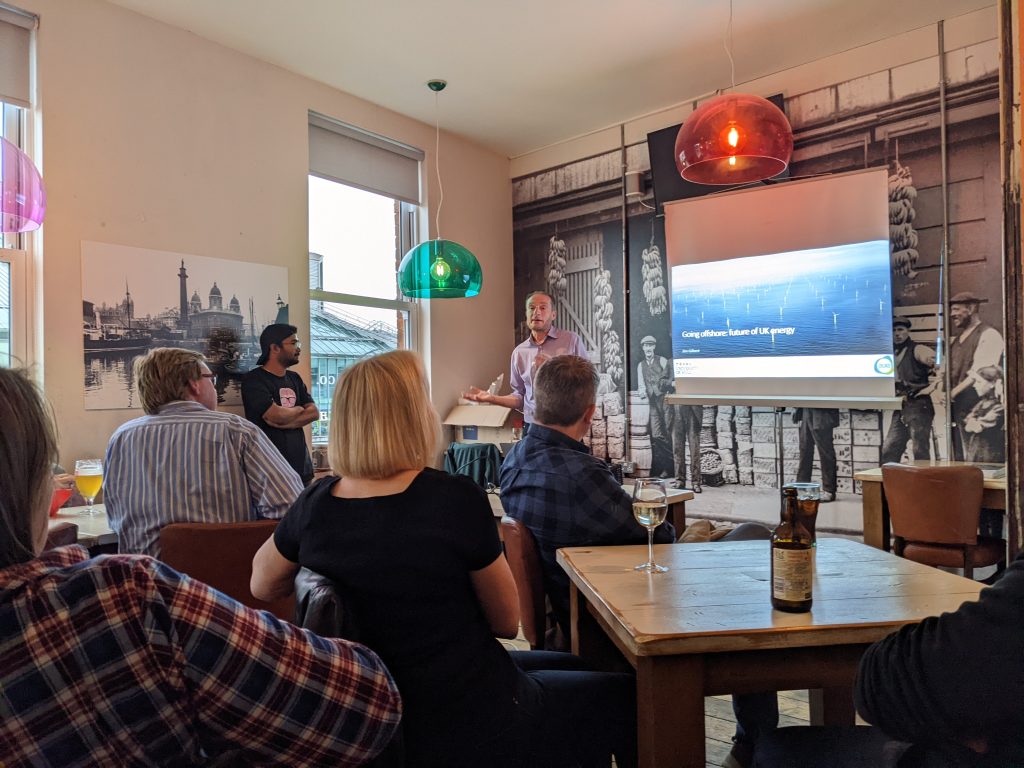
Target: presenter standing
pixel 544 342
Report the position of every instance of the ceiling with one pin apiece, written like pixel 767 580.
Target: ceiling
pixel 526 74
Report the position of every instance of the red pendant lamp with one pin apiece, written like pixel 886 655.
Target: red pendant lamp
pixel 734 139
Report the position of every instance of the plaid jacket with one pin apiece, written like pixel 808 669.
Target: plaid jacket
pixel 121 660
pixel 567 498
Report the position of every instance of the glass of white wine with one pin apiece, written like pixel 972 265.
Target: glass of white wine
pixel 650 505
pixel 89 479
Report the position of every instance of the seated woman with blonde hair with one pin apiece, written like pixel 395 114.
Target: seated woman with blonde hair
pixel 417 556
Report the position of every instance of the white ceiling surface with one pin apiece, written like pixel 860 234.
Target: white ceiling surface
pixel 529 73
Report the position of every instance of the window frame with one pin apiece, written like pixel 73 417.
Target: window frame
pixel 20 341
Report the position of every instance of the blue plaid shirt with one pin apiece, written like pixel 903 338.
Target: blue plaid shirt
pixel 567 498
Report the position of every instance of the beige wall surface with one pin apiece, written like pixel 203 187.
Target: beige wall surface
pixel 150 136
pixel 919 45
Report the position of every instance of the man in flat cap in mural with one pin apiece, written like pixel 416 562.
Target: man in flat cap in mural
pixel 974 345
pixel 915 364
pixel 654 379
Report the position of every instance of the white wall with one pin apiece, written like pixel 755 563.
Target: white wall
pixel 153 137
pixel 919 45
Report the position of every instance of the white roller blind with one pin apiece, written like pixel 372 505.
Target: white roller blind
pixel 15 52
pixel 350 155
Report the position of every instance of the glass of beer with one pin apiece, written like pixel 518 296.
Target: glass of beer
pixel 650 505
pixel 89 479
pixel 808 495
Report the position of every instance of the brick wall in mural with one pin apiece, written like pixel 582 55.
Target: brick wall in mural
pixel 569 237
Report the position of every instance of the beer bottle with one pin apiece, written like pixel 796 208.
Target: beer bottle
pixel 792 563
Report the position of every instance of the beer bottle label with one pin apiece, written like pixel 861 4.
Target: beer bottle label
pixel 792 574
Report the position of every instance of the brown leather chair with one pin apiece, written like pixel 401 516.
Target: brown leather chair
pixel 322 608
pixel 524 560
pixel 934 513
pixel 221 554
pixel 61 535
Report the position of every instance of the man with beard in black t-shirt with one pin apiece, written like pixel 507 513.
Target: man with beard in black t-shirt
pixel 277 401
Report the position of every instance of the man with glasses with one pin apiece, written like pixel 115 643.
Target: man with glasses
pixel 186 462
pixel 276 400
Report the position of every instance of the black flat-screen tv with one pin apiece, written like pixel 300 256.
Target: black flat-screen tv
pixel 668 184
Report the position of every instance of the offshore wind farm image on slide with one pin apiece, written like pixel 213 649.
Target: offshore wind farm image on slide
pixel 818 304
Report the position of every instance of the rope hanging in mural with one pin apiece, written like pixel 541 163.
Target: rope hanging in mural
pixel 903 238
pixel 611 346
pixel 654 284
pixel 557 254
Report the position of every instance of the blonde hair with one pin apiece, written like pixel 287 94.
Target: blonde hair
pixel 163 375
pixel 28 448
pixel 382 420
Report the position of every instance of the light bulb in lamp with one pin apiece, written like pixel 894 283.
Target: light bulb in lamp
pixel 441 271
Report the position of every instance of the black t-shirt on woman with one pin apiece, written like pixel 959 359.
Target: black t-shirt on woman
pixel 404 563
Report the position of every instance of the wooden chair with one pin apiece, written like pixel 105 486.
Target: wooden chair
pixel 220 554
pixel 61 535
pixel 524 560
pixel 934 513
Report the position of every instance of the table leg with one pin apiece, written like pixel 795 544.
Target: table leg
pixel 588 639
pixel 677 516
pixel 832 706
pixel 876 516
pixel 670 711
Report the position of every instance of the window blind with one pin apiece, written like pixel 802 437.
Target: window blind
pixel 350 155
pixel 15 52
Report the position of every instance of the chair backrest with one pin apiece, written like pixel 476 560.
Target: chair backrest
pixel 61 535
pixel 938 505
pixel 524 560
pixel 321 607
pixel 220 554
pixel 479 461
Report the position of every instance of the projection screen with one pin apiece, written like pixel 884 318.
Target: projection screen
pixel 782 293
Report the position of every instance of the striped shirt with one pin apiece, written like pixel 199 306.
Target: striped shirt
pixel 120 660
pixel 188 464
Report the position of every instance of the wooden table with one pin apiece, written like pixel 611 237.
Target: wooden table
pixel 707 628
pixel 677 498
pixel 876 509
pixel 93 530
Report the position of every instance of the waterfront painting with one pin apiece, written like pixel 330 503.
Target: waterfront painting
pixel 134 299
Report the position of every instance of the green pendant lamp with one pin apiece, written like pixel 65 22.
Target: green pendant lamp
pixel 439 269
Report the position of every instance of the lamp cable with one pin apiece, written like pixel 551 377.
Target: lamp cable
pixel 437 162
pixel 727 44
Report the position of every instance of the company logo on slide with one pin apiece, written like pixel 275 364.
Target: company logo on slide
pixel 883 365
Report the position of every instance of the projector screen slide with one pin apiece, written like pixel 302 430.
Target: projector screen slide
pixel 778 306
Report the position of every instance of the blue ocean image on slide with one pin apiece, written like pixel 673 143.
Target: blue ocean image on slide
pixel 820 301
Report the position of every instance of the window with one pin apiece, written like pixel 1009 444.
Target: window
pixel 361 221
pixel 15 91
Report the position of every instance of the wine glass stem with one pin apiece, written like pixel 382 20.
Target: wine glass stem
pixel 650 547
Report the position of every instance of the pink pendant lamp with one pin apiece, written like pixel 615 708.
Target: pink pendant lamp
pixel 734 139
pixel 22 195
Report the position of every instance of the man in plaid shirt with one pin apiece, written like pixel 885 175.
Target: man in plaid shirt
pixel 568 498
pixel 552 485
pixel 122 661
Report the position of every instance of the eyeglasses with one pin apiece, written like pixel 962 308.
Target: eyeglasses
pixel 211 376
pixel 296 344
